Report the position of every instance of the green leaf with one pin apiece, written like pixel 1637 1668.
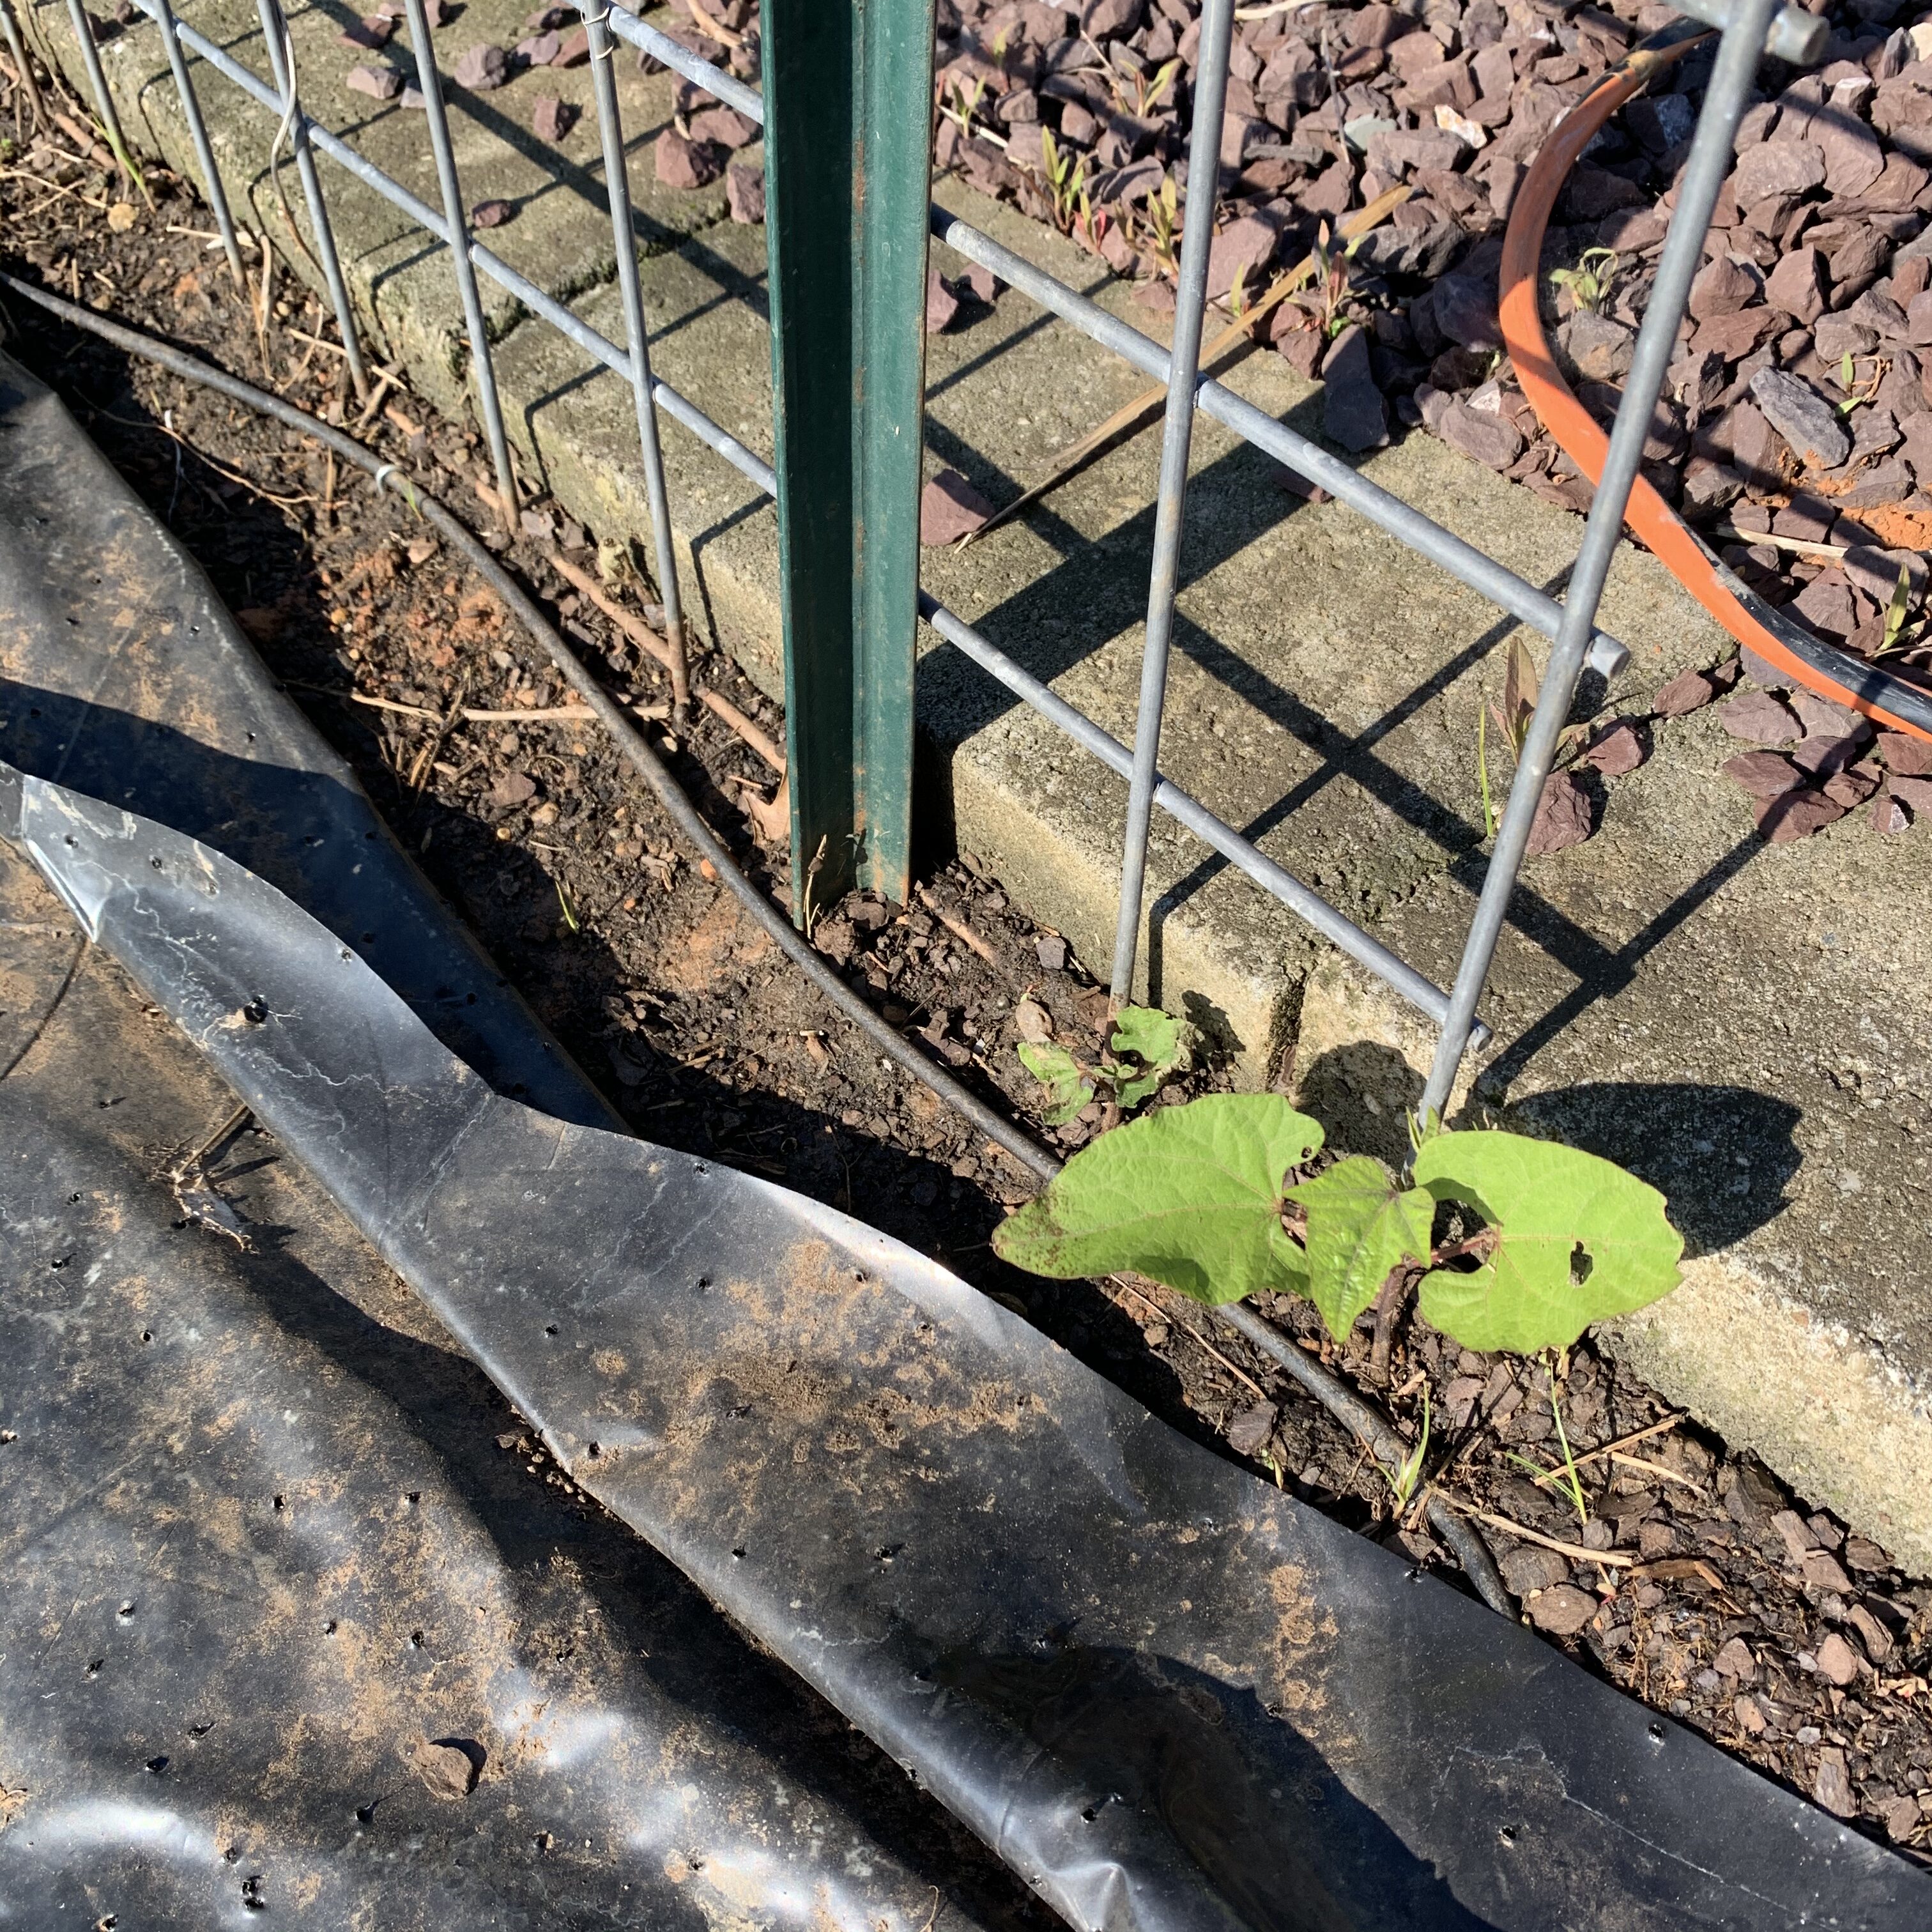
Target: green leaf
pixel 1578 1239
pixel 1068 1088
pixel 1360 1225
pixel 1190 1195
pixel 1157 1039
pixel 1130 1088
pixel 1150 1034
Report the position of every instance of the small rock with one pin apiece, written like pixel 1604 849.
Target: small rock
pixel 448 1767
pixel 1796 814
pixel 1353 412
pixel 1564 817
pixel 949 508
pixel 1562 1611
pixel 1832 1787
pixel 1750 1718
pixel 1909 758
pixel 378 83
pixel 1796 285
pixel 1758 718
pixel 745 193
pixel 941 304
pixel 1491 439
pixel 1618 750
pixel 1598 348
pixel 1777 167
pixel 723 126
pixel 1050 949
pixel 1803 419
pixel 1823 1571
pixel 539 50
pixel 1824 756
pixel 1532 1567
pixel 1734 1659
pixel 1690 691
pixel 1465 310
pixel 1711 486
pixel 1722 287
pixel 492 214
pixel 1032 1021
pixel 1902 1818
pixel 372 31
pixel 1851 786
pixel 685 163
pixel 1916 794
pixel 551 119
pixel 1838 1661
pixel 1877 1639
pixel 481 68
pixel 1889 817
pixel 512 787
pixel 1823 718
pixel 1244 248
pixel 1248 1432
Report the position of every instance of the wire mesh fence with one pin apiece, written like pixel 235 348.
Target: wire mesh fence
pixel 844 104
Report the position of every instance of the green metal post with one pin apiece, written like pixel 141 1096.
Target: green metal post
pixel 848 109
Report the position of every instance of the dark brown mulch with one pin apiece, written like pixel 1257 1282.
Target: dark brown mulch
pixel 1695 1582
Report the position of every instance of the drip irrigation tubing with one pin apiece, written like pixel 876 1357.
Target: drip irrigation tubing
pixel 1360 1416
pixel 1760 627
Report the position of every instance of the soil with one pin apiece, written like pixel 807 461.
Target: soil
pixel 1687 1576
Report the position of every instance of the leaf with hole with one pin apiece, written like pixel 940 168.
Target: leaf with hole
pixel 1191 1196
pixel 1157 1040
pixel 1577 1240
pixel 1068 1087
pixel 1361 1225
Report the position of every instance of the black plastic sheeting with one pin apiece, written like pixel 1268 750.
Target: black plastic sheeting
pixel 239 1740
pixel 1167 1694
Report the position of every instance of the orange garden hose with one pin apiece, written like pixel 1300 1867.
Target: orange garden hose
pixel 1822 668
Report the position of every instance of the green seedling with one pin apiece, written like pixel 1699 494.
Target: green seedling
pixel 1899 636
pixel 1404 1479
pixel 1065 180
pixel 1590 281
pixel 1144 1048
pixel 1196 1195
pixel 1565 1476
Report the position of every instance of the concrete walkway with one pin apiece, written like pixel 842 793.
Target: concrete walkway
pixel 1743 1025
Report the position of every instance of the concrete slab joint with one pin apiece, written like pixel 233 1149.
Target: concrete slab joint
pixel 1675 994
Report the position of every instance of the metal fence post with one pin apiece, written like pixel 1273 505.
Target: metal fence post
pixel 624 240
pixel 197 128
pixel 1204 176
pixel 1746 22
pixel 848 93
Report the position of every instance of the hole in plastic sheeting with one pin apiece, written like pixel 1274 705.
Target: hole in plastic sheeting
pixel 147 1335
pixel 1657 1733
pixel 281 1502
pixel 94 1668
pixel 158 1764
pixel 198 1731
pixel 329 1628
pixel 252 1895
pixel 415 1639
pixel 126 1610
pixel 1506 1833
pixel 550 1328
pixel 365 1814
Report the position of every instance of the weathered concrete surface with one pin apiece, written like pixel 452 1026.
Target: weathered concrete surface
pixel 1742 1025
